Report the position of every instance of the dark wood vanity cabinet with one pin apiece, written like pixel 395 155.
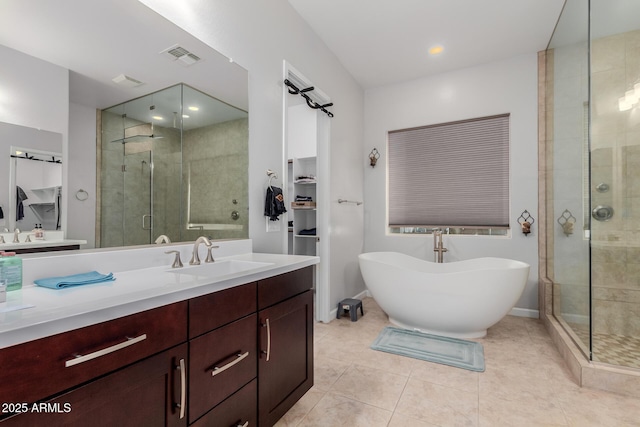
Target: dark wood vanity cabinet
pixel 151 392
pixel 285 366
pixel 244 354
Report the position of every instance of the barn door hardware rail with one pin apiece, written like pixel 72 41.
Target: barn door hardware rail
pixel 311 103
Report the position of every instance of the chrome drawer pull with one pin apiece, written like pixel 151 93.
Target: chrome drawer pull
pixel 81 359
pixel 217 370
pixel 268 352
pixel 183 389
pixel 243 425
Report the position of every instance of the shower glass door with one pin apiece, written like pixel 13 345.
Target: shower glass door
pixel 615 181
pixel 593 177
pixel 138 179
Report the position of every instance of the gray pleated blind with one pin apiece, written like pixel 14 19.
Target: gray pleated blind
pixel 451 174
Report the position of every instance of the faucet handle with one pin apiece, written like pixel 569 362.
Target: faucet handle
pixel 177 262
pixel 209 256
pixel 2 239
pixel 28 239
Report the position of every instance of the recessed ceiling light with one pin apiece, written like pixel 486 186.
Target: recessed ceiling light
pixel 192 108
pixel 157 118
pixel 435 50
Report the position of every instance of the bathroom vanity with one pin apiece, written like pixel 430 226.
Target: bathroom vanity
pixel 230 349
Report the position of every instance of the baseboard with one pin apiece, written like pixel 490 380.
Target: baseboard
pixel 525 312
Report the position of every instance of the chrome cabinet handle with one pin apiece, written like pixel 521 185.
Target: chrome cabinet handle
pixel 85 358
pixel 217 370
pixel 246 424
pixel 268 352
pixel 183 388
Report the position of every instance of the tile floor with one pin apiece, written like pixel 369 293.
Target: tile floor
pixel 525 383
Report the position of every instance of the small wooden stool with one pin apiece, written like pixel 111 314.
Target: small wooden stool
pixel 351 305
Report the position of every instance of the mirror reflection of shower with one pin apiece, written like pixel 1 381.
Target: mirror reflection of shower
pixel 151 148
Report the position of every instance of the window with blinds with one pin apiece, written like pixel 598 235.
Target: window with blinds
pixel 450 175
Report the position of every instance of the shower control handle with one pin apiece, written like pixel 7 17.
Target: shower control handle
pixel 602 213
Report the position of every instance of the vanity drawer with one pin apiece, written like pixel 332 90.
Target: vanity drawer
pixel 238 410
pixel 278 288
pixel 219 308
pixel 231 349
pixel 40 368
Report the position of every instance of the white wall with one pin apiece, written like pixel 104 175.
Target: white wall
pixel 508 86
pixel 81 215
pixel 259 36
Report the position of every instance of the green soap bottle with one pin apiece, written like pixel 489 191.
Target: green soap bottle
pixel 11 266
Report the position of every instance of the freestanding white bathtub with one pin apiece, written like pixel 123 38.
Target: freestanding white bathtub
pixel 457 299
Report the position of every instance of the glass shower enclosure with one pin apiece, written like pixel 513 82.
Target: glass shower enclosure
pixel 593 177
pixel 172 163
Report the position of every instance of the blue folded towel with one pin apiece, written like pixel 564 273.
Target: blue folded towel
pixel 74 280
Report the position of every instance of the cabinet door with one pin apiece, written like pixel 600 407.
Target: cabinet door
pixel 285 368
pixel 151 392
pixel 220 363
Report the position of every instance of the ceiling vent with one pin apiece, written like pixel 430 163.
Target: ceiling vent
pixel 126 81
pixel 178 53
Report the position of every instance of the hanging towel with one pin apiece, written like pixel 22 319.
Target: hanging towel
pixel 274 203
pixel 21 196
pixel 1 213
pixel 74 280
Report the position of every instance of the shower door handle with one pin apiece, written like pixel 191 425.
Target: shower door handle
pixel 144 222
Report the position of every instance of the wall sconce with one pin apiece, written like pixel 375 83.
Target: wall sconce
pixel 374 155
pixel 566 221
pixel 526 221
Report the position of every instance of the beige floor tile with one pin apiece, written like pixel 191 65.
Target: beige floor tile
pixel 442 406
pixel 399 420
pixel 587 407
pixel 495 412
pixel 526 383
pixel 327 371
pixel 294 416
pixel 371 386
pixel 447 376
pixel 335 411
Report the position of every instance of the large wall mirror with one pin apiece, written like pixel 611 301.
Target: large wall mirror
pixel 122 60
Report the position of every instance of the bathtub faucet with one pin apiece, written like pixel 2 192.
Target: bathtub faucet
pixel 438 248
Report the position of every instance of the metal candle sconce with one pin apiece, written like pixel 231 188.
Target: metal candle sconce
pixel 373 157
pixel 566 221
pixel 526 221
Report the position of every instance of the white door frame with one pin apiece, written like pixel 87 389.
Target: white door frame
pixel 322 297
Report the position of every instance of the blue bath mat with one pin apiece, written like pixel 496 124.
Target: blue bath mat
pixel 432 348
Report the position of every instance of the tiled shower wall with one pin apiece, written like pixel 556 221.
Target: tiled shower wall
pixel 215 162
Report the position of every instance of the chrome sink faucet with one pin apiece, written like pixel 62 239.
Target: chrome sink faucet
pixel 437 245
pixel 195 258
pixel 16 233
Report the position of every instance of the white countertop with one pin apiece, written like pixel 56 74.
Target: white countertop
pixel 51 238
pixel 55 311
pixel 39 244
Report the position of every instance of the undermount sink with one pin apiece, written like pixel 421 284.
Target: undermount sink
pixel 219 268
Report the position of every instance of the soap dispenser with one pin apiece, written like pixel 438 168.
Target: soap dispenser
pixel 11 267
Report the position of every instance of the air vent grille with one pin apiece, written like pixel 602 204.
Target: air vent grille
pixel 179 53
